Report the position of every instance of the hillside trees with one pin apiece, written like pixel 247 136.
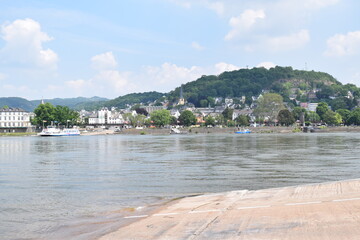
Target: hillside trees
pixel 248 82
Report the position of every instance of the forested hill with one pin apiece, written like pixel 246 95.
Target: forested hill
pixel 122 101
pixel 250 82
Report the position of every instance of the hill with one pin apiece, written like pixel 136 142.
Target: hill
pixel 31 105
pixel 17 102
pixel 251 82
pixel 122 101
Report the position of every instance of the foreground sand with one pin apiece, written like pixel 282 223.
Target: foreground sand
pixel 318 211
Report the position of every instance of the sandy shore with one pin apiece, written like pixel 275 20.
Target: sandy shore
pixel 316 211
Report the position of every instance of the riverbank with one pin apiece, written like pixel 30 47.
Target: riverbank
pixel 197 130
pixel 315 211
pixel 230 130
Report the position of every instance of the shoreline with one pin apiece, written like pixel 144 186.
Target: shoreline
pixel 200 130
pixel 294 212
pixel 225 130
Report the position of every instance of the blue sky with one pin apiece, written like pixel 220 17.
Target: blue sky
pixel 110 48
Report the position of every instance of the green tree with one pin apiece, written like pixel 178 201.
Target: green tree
pixel 228 113
pixel 45 114
pixel 64 115
pixel 203 103
pixel 332 118
pixel 160 117
pixel 285 117
pixel 141 111
pixel 187 118
pixel 312 117
pixel 209 121
pixel 219 119
pixel 243 120
pixel 269 106
pixel 321 109
pixel 354 117
pixel 297 111
pixel 345 114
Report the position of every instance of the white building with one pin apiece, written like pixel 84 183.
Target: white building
pixel 14 118
pixel 104 117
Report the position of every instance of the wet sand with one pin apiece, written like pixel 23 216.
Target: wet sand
pixel 317 211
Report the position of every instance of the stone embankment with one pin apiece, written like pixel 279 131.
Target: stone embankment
pixel 314 212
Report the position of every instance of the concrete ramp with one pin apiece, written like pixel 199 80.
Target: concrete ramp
pixel 317 211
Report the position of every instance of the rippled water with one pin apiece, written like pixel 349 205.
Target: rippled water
pixel 60 187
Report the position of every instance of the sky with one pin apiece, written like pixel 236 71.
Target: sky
pixel 110 48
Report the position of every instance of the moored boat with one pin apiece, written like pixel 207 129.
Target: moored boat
pixel 52 131
pixel 243 130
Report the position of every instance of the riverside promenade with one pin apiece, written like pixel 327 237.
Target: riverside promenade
pixel 317 211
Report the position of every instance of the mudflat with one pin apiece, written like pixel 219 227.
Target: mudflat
pixel 317 211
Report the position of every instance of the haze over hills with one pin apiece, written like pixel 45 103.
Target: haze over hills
pixel 234 84
pixel 30 105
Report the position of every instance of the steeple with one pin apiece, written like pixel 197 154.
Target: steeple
pixel 181 99
pixel 181 92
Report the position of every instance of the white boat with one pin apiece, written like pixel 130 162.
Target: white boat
pixel 52 131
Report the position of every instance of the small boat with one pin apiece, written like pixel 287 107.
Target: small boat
pixel 243 130
pixel 52 131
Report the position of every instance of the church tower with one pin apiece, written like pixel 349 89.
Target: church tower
pixel 181 99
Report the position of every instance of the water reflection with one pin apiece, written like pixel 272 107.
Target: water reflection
pixel 48 182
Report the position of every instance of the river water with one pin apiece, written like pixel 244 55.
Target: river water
pixel 81 187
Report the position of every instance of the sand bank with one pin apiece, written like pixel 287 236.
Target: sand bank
pixel 317 211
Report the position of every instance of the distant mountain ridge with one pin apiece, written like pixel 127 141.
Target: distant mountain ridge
pixel 30 105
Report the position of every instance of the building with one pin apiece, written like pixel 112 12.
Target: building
pixel 14 120
pixel 106 117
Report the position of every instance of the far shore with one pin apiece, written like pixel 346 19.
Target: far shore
pixel 197 130
pixel 217 130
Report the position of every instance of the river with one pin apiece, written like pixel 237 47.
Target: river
pixel 80 187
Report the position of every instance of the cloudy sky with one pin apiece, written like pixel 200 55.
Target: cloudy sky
pixel 110 48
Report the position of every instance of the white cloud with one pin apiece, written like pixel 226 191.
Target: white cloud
pixel 104 61
pixel 244 22
pixel 266 65
pixel 343 44
pixel 197 46
pixel 113 79
pixel 217 6
pixel 24 44
pixel 169 75
pixel 225 67
pixel 288 42
pixel 316 4
pixel 76 84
